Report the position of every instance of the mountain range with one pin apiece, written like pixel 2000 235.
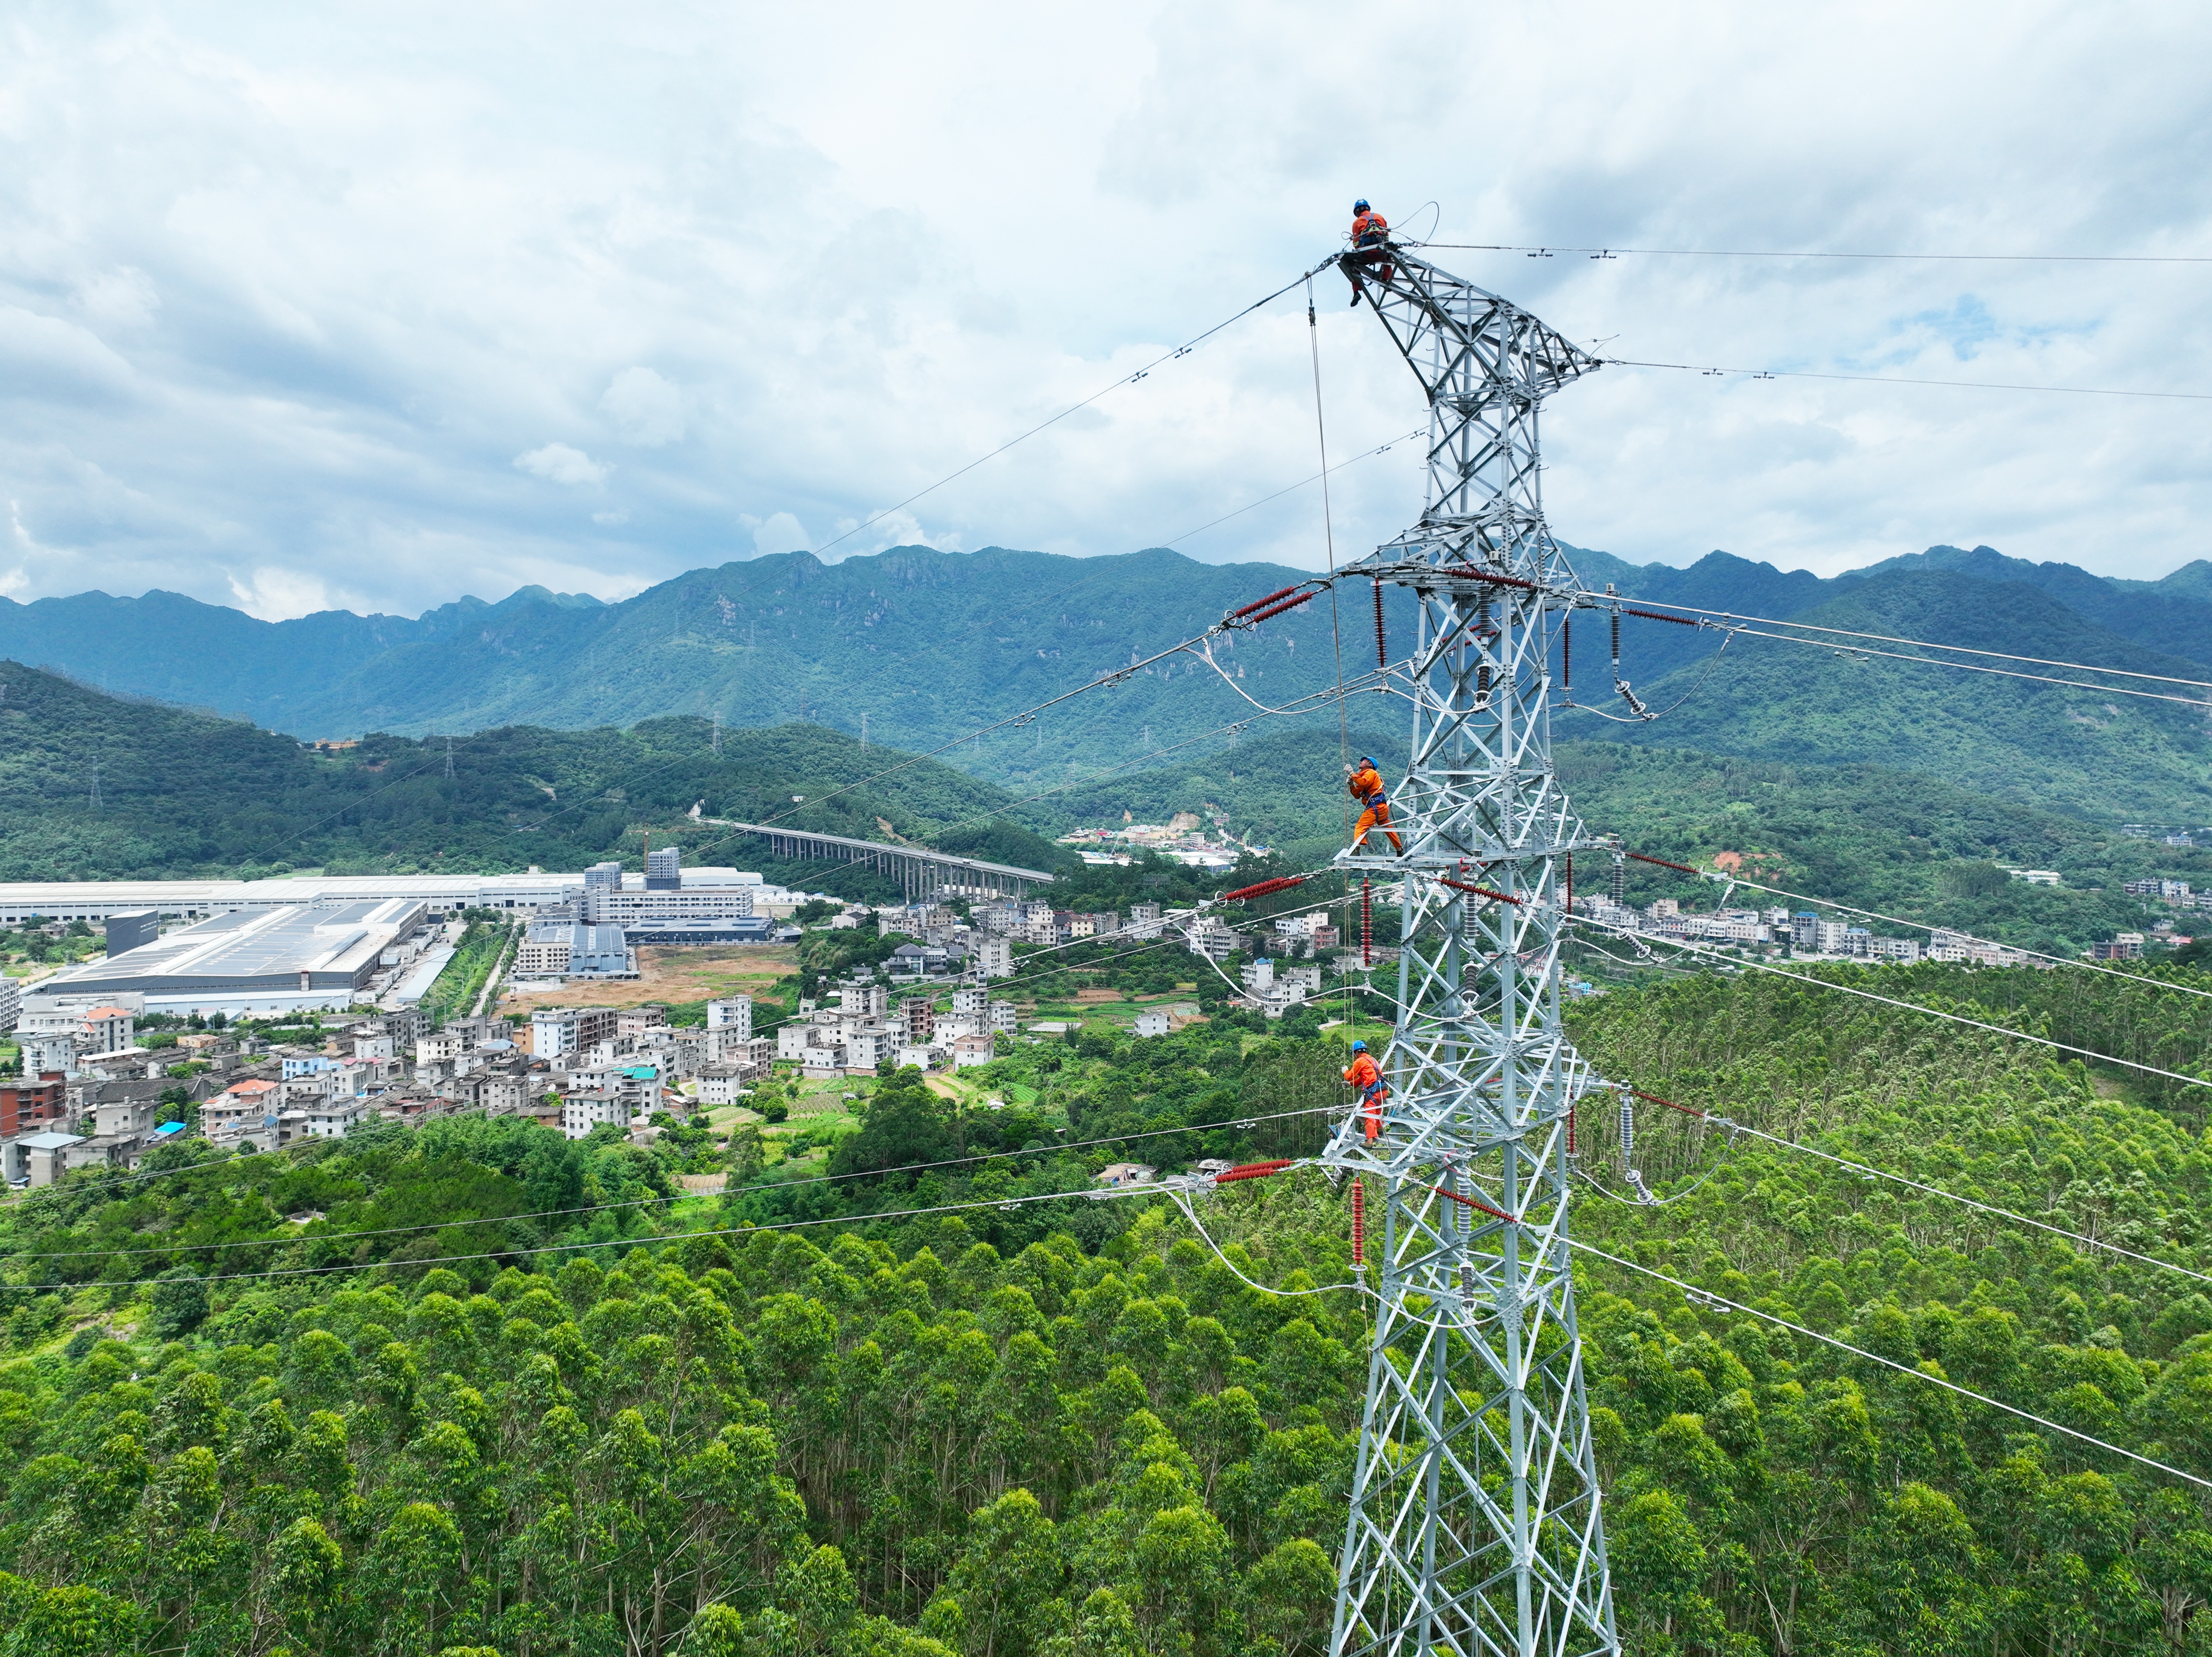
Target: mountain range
pixel 912 648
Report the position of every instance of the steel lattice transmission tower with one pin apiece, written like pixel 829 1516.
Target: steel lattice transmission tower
pixel 1475 1512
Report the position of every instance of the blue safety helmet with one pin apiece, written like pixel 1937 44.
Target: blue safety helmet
pixel 1361 206
pixel 1360 1047
pixel 1367 759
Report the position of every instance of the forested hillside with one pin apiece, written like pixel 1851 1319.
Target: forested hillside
pixel 927 645
pixel 184 793
pixel 504 1391
pixel 2104 756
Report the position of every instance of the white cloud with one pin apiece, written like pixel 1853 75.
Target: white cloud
pixel 557 462
pixel 277 595
pixel 781 533
pixel 281 299
pixel 608 519
pixel 647 410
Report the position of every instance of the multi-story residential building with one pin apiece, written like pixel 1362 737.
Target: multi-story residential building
pixel 1214 939
pixel 996 956
pixel 918 1018
pixel 970 1050
pixel 1001 1017
pixel 865 1001
pixel 733 1012
pixel 869 1045
pixel 32 1106
pixel 559 1032
pixel 587 1108
pixel 333 1119
pixel 1152 1022
pixel 721 1084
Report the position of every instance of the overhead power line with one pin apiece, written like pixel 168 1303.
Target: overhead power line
pixel 1697 1294
pixel 1891 1001
pixel 1901 379
pixel 1962 667
pixel 1872 1172
pixel 1183 349
pixel 1925 926
pixel 650 1202
pixel 1924 644
pixel 1319 476
pixel 1546 250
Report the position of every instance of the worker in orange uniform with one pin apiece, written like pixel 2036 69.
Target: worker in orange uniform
pixel 1367 1077
pixel 1370 239
pixel 1366 785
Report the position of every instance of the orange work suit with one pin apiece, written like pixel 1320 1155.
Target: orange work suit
pixel 1371 231
pixel 1366 1076
pixel 1365 786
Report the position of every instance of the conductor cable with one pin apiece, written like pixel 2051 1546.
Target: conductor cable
pixel 1697 1294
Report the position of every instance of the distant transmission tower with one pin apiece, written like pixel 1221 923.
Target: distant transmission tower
pixel 718 731
pixel 864 733
pixel 449 756
pixel 95 779
pixel 1475 1523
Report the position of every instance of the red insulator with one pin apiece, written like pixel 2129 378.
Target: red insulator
pixel 1280 883
pixel 1569 906
pixel 1654 615
pixel 1251 1171
pixel 1682 867
pixel 1366 923
pixel 1570 1128
pixel 1258 604
pixel 1472 1202
pixel 1479 891
pixel 1303 599
pixel 1653 1098
pixel 1359 1224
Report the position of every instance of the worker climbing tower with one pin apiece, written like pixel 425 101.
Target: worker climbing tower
pixel 1475 1523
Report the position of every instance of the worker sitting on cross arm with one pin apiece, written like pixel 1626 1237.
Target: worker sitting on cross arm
pixel 1364 784
pixel 1365 1075
pixel 1370 238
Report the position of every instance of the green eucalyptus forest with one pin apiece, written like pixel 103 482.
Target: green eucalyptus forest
pixel 477 1387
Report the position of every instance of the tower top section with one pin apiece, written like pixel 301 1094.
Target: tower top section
pixel 1486 366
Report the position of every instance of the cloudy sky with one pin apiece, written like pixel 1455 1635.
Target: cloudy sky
pixel 374 305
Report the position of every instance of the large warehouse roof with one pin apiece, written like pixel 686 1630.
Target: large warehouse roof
pixel 325 948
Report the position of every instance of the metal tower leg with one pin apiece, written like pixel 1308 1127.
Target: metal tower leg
pixel 1475 1523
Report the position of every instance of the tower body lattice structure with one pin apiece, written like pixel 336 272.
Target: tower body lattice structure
pixel 1475 1521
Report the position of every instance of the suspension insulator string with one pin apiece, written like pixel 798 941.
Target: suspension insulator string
pixel 1366 923
pixel 1381 653
pixel 1358 1223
